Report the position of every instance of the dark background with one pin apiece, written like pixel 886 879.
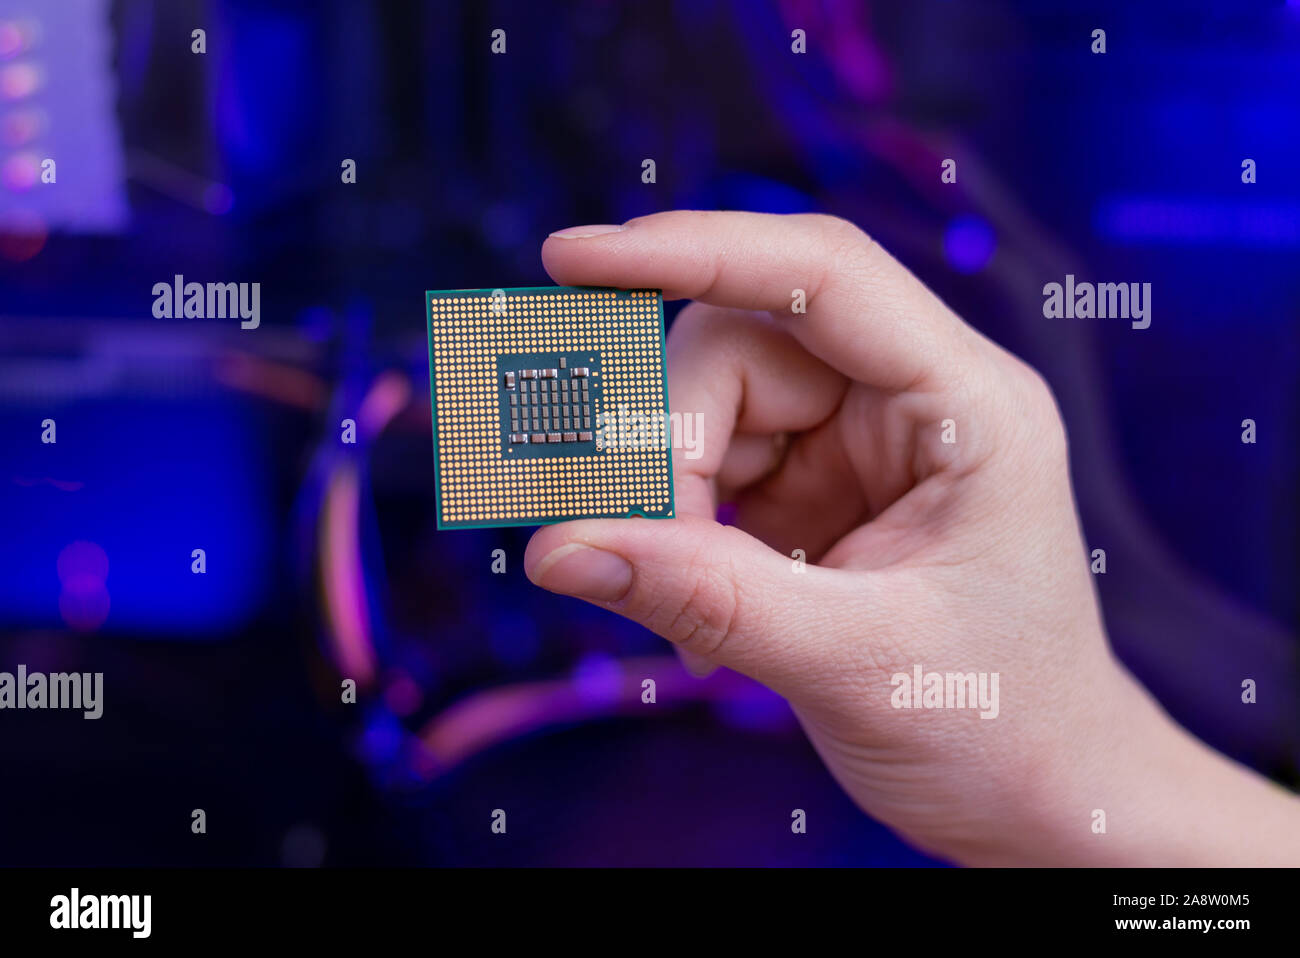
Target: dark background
pixel 477 690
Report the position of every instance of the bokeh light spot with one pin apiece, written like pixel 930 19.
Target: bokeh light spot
pixel 968 244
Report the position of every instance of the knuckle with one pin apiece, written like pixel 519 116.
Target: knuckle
pixel 698 324
pixel 843 250
pixel 1037 409
pixel 846 242
pixel 840 231
pixel 1040 397
pixel 705 619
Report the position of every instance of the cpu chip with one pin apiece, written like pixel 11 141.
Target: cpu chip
pixel 549 404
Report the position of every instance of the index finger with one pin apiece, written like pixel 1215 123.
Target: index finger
pixel 866 315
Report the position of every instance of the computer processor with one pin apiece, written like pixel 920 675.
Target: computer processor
pixel 549 404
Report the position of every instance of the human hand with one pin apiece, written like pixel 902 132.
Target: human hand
pixel 923 471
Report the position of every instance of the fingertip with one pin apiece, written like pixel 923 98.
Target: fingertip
pixel 573 255
pixel 545 544
pixel 544 541
pixel 697 666
pixel 584 572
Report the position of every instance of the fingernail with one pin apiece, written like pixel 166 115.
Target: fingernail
pixel 585 572
pixel 581 232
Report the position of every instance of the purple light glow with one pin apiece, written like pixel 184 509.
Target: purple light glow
pixel 403 695
pixel 84 601
pixel 22 126
pixel 11 39
pixel 19 80
pixel 21 172
pixel 968 244
pixel 598 678
pixel 218 199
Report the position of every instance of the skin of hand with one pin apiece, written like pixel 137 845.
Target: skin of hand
pixel 825 428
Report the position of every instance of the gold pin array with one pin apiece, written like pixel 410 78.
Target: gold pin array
pixel 469 330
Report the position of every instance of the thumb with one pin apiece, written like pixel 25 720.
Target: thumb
pixel 714 591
